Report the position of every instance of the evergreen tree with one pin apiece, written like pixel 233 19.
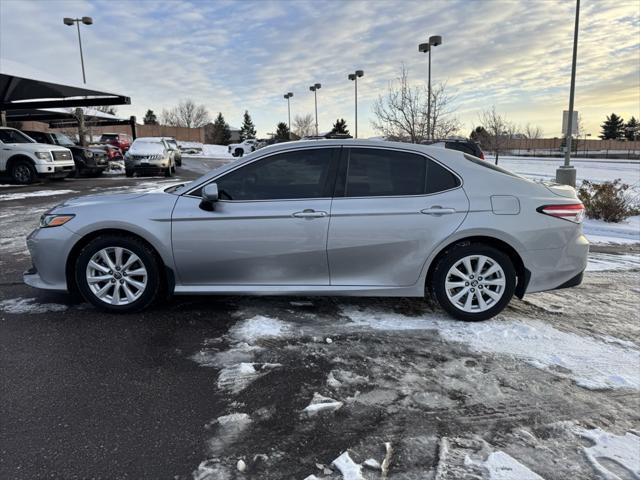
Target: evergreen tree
pixel 612 128
pixel 340 127
pixel 218 132
pixel 282 132
pixel 150 118
pixel 248 129
pixel 632 129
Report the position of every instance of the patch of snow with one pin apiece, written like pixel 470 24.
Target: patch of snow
pixel 29 305
pixel 612 454
pixel 599 262
pixel 228 429
pixel 601 232
pixel 236 378
pixel 320 403
pixel 591 363
pixel 258 327
pixel 349 469
pixel 35 193
pixel 372 463
pixel 504 467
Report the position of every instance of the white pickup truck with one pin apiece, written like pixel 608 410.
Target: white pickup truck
pixel 240 149
pixel 25 160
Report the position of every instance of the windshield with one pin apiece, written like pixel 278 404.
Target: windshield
pixel 62 139
pixel 9 135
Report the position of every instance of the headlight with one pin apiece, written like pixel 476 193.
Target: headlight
pixel 47 221
pixel 88 154
pixel 44 156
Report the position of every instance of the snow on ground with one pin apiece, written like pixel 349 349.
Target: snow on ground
pixel 592 363
pixel 626 232
pixel 613 456
pixel 502 466
pixel 599 262
pixel 29 305
pixel 36 193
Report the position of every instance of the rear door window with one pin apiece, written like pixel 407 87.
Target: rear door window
pixel 375 172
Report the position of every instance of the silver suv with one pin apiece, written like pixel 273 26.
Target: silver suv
pixel 150 156
pixel 330 217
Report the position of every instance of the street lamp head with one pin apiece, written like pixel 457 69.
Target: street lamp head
pixel 317 85
pixel 352 76
pixel 359 73
pixel 290 94
pixel 87 20
pixel 423 47
pixel 312 88
pixel 68 21
pixel 435 40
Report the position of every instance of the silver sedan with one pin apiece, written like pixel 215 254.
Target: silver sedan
pixel 330 217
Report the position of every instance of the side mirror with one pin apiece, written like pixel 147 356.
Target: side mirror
pixel 209 197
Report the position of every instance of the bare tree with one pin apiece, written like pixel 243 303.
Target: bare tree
pixel 532 132
pixel 443 123
pixel 499 130
pixel 304 125
pixel 401 114
pixel 186 114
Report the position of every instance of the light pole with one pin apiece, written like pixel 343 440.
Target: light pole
pixel 288 97
pixel 314 88
pixel 585 143
pixel 434 41
pixel 566 174
pixel 87 21
pixel 354 77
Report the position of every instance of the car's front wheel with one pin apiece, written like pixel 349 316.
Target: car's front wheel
pixel 473 282
pixel 118 273
pixel 23 172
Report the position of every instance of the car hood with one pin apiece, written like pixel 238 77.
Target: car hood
pixel 36 147
pixel 146 150
pixel 100 199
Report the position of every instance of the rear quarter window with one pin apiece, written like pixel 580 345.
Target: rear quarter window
pixel 440 179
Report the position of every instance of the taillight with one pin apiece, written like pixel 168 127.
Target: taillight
pixel 481 155
pixel 574 212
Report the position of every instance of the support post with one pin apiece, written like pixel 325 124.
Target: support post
pixel 132 124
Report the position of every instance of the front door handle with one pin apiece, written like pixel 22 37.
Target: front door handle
pixel 437 210
pixel 309 213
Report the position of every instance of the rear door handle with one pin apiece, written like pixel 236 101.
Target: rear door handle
pixel 309 213
pixel 437 210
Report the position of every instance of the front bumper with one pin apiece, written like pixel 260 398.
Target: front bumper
pixel 55 169
pixel 146 169
pixel 49 249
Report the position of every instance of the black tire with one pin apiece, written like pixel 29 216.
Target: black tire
pixel 168 172
pixel 238 152
pixel 450 258
pixel 128 173
pixel 23 173
pixel 137 246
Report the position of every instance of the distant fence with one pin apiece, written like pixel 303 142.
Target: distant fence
pixel 586 148
pixel 179 133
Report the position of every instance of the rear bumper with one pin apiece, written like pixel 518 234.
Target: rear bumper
pixel 557 267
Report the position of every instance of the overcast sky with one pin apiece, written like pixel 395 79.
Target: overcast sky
pixel 231 56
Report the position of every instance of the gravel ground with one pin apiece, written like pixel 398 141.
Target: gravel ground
pixel 278 388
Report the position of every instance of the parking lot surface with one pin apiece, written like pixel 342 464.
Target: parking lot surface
pixel 280 387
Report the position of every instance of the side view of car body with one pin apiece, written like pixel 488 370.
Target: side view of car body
pixel 25 160
pixel 331 217
pixel 150 156
pixel 244 148
pixel 88 160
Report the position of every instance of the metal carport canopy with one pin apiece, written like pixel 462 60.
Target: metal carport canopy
pixel 22 87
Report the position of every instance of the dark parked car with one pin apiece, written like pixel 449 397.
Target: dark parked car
pixel 120 140
pixel 464 146
pixel 114 154
pixel 88 160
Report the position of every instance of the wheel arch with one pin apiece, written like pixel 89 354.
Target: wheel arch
pixel 523 275
pixel 18 157
pixel 168 277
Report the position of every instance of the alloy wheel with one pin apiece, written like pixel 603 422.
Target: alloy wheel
pixel 475 283
pixel 116 276
pixel 22 173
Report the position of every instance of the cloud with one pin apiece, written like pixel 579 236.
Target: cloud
pixel 233 56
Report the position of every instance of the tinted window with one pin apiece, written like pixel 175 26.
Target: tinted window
pixel 377 172
pixel 300 174
pixel 9 135
pixel 38 137
pixel 440 179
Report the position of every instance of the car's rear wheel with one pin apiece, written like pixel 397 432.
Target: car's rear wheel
pixel 168 172
pixel 238 152
pixel 128 173
pixel 23 172
pixel 118 273
pixel 473 282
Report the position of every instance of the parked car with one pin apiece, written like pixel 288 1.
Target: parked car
pixel 465 146
pixel 173 145
pixel 149 156
pixel 339 217
pixel 240 149
pixel 26 160
pixel 88 160
pixel 114 154
pixel 120 140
